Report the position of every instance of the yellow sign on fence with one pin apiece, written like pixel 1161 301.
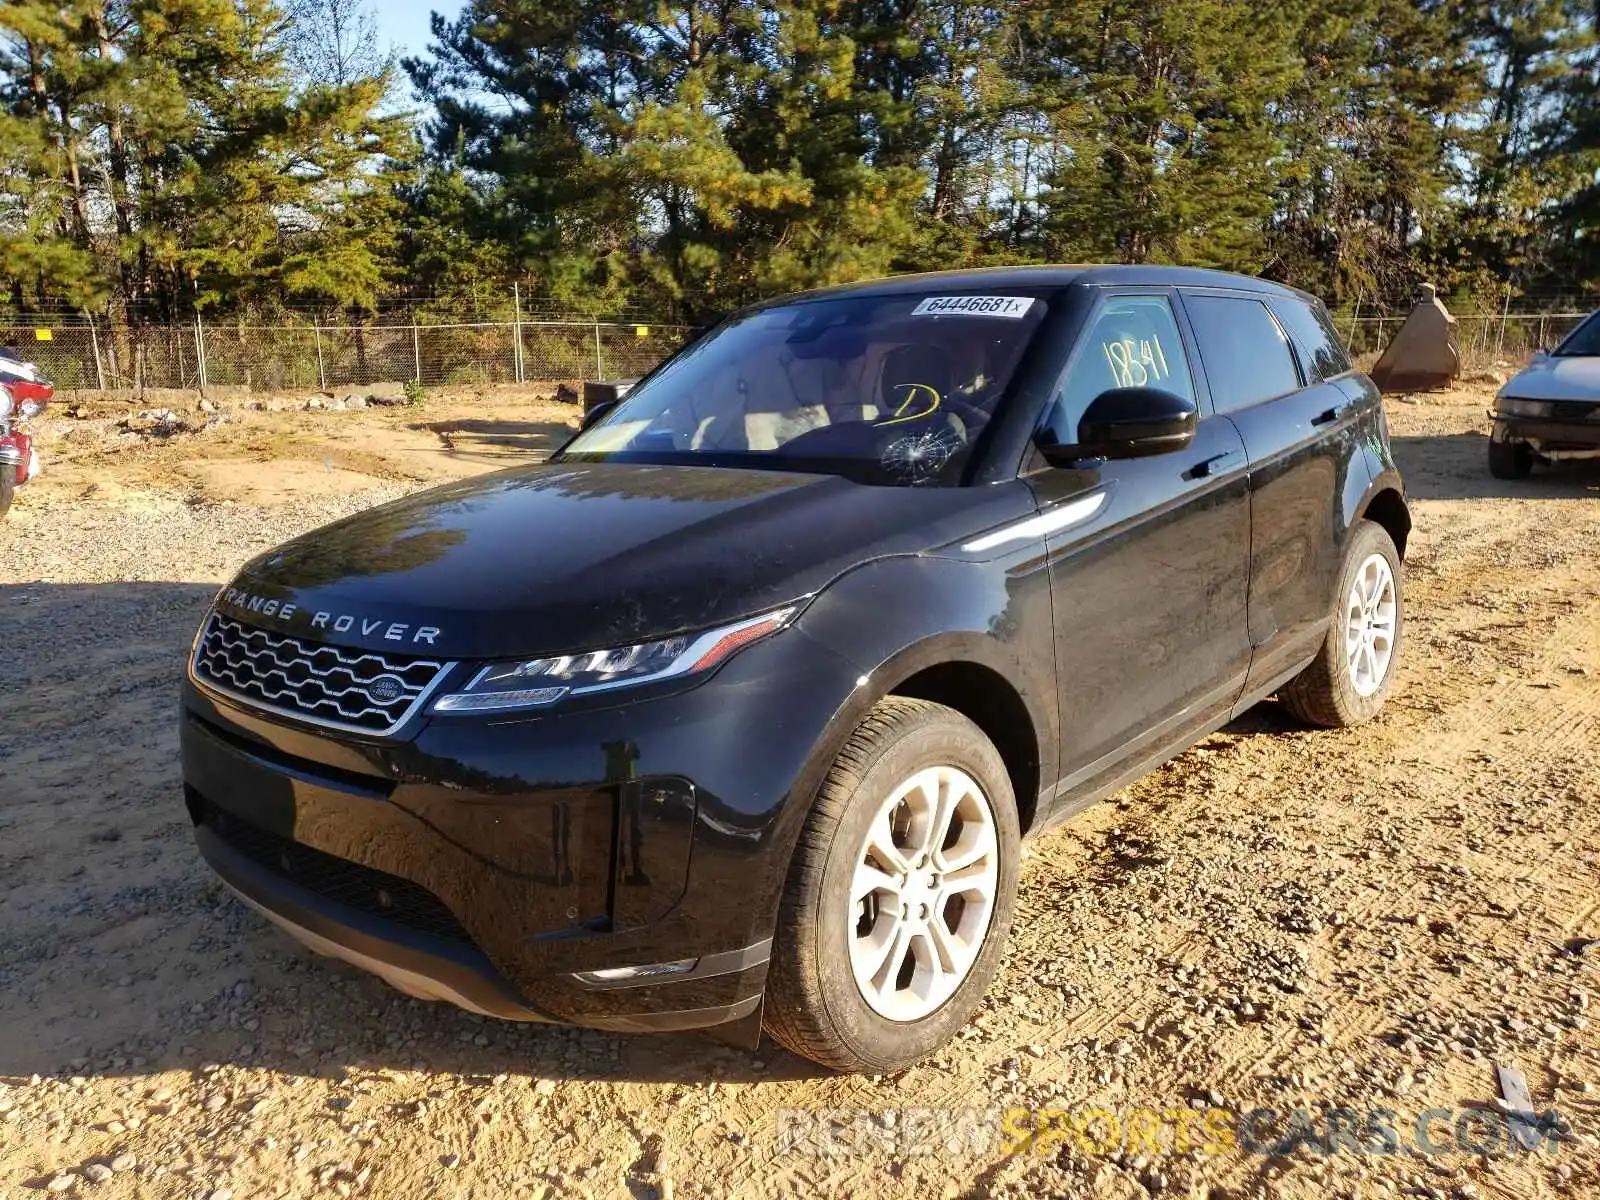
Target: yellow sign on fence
pixel 42 335
pixel 641 331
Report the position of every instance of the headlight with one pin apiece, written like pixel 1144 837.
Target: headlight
pixel 5 403
pixel 540 682
pixel 1525 408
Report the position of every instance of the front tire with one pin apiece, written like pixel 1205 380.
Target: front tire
pixel 8 486
pixel 1510 460
pixel 1349 679
pixel 900 894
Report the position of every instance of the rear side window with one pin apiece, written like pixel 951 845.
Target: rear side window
pixel 1243 351
pixel 1315 337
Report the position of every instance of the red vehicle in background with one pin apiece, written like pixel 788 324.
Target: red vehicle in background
pixel 24 391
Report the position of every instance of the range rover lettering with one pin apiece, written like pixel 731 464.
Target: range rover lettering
pixel 732 714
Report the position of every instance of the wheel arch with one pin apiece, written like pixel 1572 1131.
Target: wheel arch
pixel 963 672
pixel 1387 507
pixel 987 699
pixel 979 640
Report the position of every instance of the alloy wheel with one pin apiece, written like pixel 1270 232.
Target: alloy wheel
pixel 923 894
pixel 1370 618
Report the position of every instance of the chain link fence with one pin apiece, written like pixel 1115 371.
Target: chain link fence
pixel 1485 339
pixel 329 357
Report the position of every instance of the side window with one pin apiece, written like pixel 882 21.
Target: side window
pixel 1246 359
pixel 1315 337
pixel 1133 342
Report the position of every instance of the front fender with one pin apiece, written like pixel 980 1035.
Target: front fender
pixel 898 617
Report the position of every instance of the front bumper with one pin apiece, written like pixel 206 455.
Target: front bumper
pixel 430 968
pixel 1548 434
pixel 496 863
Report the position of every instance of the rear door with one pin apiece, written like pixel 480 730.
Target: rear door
pixel 1299 429
pixel 1149 581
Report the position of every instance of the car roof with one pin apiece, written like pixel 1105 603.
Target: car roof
pixel 1089 275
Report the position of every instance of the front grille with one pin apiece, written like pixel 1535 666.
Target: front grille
pixel 338 879
pixel 1574 410
pixel 348 689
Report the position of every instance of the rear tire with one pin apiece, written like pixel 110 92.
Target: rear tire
pixel 1349 679
pixel 1510 460
pixel 937 927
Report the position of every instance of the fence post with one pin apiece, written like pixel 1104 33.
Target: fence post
pixel 1500 341
pixel 1539 345
pixel 1355 321
pixel 111 347
pixel 200 350
pixel 94 342
pixel 516 334
pixel 416 352
pixel 599 363
pixel 322 375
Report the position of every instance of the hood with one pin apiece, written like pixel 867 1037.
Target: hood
pixel 565 557
pixel 1552 378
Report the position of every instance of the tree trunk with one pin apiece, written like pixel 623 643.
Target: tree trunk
pixel 118 143
pixel 74 181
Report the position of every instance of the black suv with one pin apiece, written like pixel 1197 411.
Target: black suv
pixel 733 713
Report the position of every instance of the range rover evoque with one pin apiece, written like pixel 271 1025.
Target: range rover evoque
pixel 731 715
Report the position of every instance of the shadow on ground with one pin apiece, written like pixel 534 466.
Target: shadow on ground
pixel 489 439
pixel 1456 467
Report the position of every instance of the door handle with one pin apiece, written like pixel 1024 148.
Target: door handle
pixel 1208 466
pixel 1329 415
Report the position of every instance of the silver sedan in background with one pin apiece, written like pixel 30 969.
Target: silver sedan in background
pixel 1550 410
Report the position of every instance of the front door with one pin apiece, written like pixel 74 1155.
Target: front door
pixel 1149 580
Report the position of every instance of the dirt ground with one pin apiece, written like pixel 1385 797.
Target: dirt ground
pixel 1279 919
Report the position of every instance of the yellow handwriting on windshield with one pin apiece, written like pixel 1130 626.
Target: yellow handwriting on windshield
pixel 904 413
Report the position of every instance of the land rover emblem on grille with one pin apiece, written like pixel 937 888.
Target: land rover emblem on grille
pixel 336 686
pixel 386 689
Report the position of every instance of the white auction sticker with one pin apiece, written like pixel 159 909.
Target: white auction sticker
pixel 1012 308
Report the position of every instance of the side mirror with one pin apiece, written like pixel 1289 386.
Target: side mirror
pixel 1130 422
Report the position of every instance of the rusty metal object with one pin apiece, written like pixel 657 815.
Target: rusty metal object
pixel 1425 353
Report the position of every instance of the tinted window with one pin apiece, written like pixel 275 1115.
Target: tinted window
pixel 1246 359
pixel 1321 352
pixel 1133 342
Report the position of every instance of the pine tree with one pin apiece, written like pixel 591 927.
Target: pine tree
pixel 1376 127
pixel 180 164
pixel 1162 117
pixel 703 152
pixel 1569 156
pixel 160 157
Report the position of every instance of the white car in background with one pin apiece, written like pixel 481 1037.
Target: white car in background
pixel 1550 410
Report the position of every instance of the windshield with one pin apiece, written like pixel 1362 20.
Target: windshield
pixel 1584 341
pixel 882 389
